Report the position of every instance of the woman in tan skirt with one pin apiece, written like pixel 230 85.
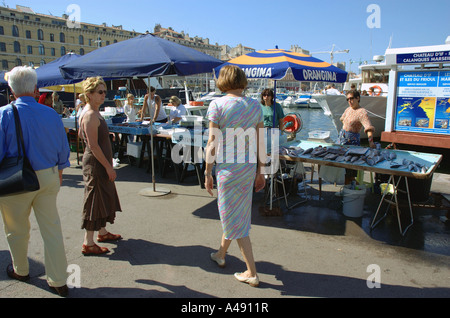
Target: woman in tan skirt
pixel 101 201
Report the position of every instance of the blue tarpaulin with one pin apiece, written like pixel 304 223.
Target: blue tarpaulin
pixel 50 74
pixel 143 56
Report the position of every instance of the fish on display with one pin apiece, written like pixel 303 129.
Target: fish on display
pixel 331 156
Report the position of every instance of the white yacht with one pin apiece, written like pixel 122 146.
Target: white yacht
pixel 208 98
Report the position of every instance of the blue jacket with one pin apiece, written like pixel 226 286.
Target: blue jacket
pixel 44 135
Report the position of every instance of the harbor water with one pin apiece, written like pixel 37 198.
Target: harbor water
pixel 313 119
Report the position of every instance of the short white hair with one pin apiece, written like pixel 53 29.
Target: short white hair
pixel 22 80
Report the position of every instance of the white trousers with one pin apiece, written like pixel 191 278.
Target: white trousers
pixel 16 210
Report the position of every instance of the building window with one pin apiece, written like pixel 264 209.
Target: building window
pixel 2 31
pixel 28 34
pixel 99 41
pixel 40 35
pixel 81 40
pixel 29 49
pixel 42 63
pixel 63 50
pixel 81 51
pixel 2 47
pixel 52 51
pixel 15 30
pixel 41 49
pixel 62 38
pixel 16 47
pixel 18 62
pixel 52 37
pixel 5 64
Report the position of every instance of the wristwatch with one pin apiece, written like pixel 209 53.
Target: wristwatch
pixel 208 174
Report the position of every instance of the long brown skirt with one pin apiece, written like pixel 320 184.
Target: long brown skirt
pixel 101 201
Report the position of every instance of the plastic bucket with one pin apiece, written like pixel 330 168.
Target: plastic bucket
pixel 353 201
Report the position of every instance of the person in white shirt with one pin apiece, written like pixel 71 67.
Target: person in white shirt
pixel 129 109
pixel 153 107
pixel 177 110
pixel 333 91
pixel 79 105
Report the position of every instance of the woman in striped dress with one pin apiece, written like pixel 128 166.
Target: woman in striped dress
pixel 237 164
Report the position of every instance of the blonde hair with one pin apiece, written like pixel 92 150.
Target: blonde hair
pixel 82 97
pixel 231 77
pixel 175 100
pixel 91 84
pixel 129 96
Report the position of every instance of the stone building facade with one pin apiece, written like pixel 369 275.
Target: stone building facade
pixel 30 38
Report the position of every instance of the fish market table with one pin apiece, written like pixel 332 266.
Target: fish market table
pixel 398 164
pixel 137 129
pixel 166 136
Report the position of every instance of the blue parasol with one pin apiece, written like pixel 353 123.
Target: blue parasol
pixel 50 74
pixel 143 56
pixel 274 64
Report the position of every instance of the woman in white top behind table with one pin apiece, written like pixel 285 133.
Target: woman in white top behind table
pixel 129 109
pixel 153 107
pixel 176 111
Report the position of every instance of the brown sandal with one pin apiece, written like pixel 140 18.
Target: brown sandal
pixel 93 250
pixel 108 237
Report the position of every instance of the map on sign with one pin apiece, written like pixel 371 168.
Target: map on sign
pixel 423 102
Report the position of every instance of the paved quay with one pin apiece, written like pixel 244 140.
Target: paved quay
pixel 312 250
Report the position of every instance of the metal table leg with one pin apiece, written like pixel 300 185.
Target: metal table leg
pixel 395 202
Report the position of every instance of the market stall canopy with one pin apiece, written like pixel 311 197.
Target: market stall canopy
pixel 274 63
pixel 50 74
pixel 69 88
pixel 143 56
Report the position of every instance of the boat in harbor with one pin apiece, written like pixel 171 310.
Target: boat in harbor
pixel 299 101
pixel 306 101
pixel 208 98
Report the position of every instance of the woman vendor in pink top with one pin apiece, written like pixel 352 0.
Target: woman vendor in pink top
pixel 353 119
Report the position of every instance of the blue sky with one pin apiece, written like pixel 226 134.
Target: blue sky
pixel 263 24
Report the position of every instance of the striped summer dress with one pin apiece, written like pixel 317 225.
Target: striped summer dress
pixel 236 161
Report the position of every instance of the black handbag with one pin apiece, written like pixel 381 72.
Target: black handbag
pixel 16 174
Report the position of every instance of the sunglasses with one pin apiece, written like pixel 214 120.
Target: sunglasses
pixel 101 92
pixel 350 98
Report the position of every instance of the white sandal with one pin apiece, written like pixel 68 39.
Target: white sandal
pixel 219 261
pixel 252 281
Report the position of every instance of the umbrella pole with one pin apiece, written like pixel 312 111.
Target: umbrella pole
pixel 271 140
pixel 76 123
pixel 153 192
pixel 152 154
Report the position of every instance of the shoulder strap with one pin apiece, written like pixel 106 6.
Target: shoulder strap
pixel 20 143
